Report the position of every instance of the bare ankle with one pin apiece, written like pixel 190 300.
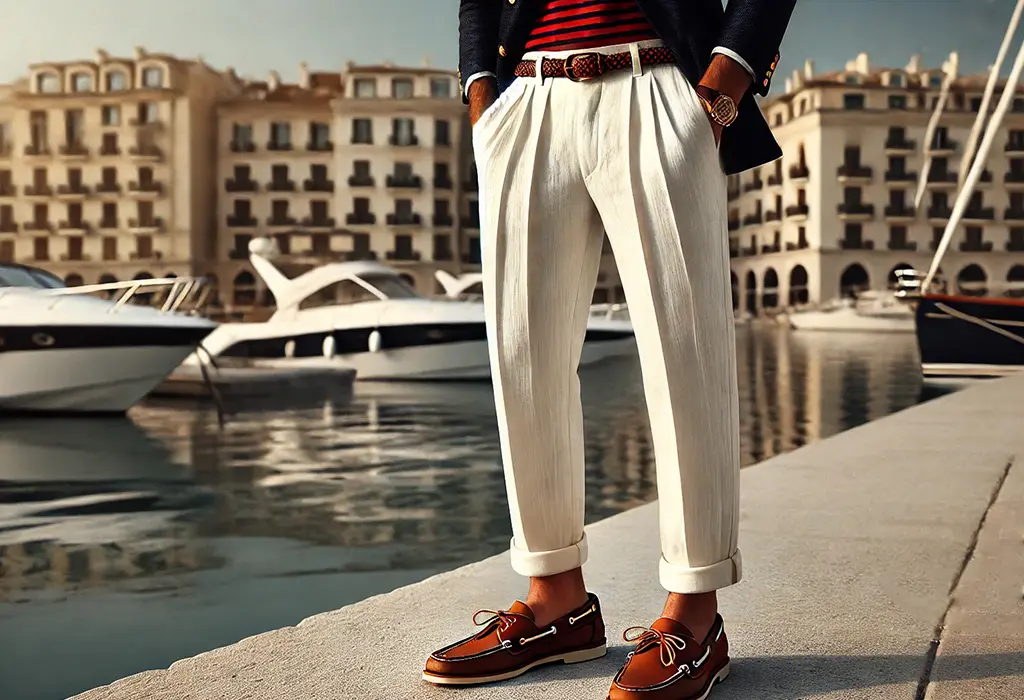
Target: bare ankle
pixel 696 611
pixel 551 597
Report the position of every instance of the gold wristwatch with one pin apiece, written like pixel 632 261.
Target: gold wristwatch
pixel 721 108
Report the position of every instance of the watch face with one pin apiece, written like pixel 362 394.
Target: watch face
pixel 724 110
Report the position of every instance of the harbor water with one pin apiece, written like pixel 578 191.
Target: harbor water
pixel 128 544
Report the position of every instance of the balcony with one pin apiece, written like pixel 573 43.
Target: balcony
pixel 443 220
pixel 279 146
pixel 734 224
pixel 37 150
pixel 773 215
pixel 900 176
pixel 799 245
pixel 281 186
pixel 324 147
pixel 38 226
pixel 37 191
pixel 897 212
pixel 849 172
pixel 775 179
pixel 108 150
pixel 769 249
pixel 73 151
pixel 1011 214
pixel 241 221
pixel 471 222
pixel 394 182
pixel 981 214
pixel 136 255
pixel 404 220
pixel 403 256
pixel 145 153
pixel 8 191
pixel 361 181
pixel 318 185
pixel 748 252
pixel 242 147
pixel 855 211
pixel 318 222
pixel 281 221
pixel 361 219
pixel 753 186
pixel 72 227
pixel 145 123
pixel 8 227
pixel 109 224
pixel 443 254
pixel 232 185
pixel 794 211
pixel 753 219
pixel 943 147
pixel 443 183
pixel 976 246
pixel 153 224
pixel 799 172
pixel 895 145
pixel 856 244
pixel 72 191
pixel 940 179
pixel 939 212
pixel 108 188
pixel 1015 147
pixel 144 189
pixel 399 140
pixel 909 246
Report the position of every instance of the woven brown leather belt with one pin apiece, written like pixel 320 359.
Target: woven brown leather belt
pixel 587 65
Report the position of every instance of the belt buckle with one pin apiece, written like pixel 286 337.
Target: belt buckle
pixel 570 69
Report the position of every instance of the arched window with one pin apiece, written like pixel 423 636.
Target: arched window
pixel 798 280
pixel 853 280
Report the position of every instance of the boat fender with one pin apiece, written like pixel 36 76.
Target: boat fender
pixel 329 347
pixel 374 341
pixel 289 349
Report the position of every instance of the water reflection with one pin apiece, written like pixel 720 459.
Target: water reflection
pixel 318 505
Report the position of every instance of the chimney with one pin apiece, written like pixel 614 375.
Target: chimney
pixel 427 63
pixel 304 75
pixel 789 85
pixel 914 66
pixel 389 64
pixel 349 65
pixel 952 65
pixel 862 64
pixel 102 56
pixel 808 69
pixel 140 53
pixel 273 81
pixel 797 80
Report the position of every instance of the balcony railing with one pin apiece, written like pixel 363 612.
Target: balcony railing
pixel 109 224
pixel 902 245
pixel 849 171
pixel 145 152
pixel 939 211
pixel 320 147
pixel 752 219
pixel 942 177
pixel 37 150
pixel 318 222
pixel 152 187
pixel 900 176
pixel 38 191
pixel 1010 176
pixel 400 140
pixel 73 149
pixel 1014 246
pixel 855 209
pixel 155 223
pixel 943 145
pixel 361 181
pixel 318 185
pixel 281 186
pixel 443 220
pixel 279 221
pixel 232 185
pixel 856 244
pixel 242 147
pixel 1014 147
pixel 799 172
pixel 404 220
pixel 775 179
pixel 980 214
pixel 361 219
pixel 38 226
pixel 899 211
pixel 1011 214
pixel 799 245
pixel 976 246
pixel 443 183
pixel 895 143
pixel 8 227
pixel 798 210
pixel 110 150
pixel 72 190
pixel 108 188
pixel 403 255
pixel 773 215
pixel 279 145
pixel 395 182
pixel 241 220
pixel 8 190
pixel 72 226
pixel 753 186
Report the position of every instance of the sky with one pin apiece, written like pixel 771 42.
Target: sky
pixel 257 36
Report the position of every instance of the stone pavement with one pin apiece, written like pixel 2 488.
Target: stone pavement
pixel 884 562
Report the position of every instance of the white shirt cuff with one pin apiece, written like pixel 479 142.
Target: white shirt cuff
pixel 734 56
pixel 476 76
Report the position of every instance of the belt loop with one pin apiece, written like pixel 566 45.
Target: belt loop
pixel 538 71
pixel 634 53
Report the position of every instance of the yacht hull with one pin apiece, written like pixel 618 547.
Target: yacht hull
pixel 107 380
pixel 962 338
pixel 849 320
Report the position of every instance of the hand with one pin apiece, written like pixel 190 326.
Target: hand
pixel 482 94
pixel 728 77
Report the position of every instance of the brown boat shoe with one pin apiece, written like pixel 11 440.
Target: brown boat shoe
pixel 511 644
pixel 669 664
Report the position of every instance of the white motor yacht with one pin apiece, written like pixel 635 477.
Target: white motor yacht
pixel 364 315
pixel 63 350
pixel 871 311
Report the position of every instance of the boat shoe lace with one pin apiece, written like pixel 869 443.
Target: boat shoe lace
pixel 647 637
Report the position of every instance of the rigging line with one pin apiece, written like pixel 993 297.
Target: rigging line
pixel 933 126
pixel 978 322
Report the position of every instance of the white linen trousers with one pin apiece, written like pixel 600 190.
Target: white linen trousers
pixel 560 163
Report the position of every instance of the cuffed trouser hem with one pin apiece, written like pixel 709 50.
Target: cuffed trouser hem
pixel 549 563
pixel 701 579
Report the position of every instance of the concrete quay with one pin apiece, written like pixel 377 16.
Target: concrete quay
pixel 885 562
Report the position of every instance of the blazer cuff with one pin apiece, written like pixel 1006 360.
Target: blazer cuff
pixel 475 76
pixel 736 57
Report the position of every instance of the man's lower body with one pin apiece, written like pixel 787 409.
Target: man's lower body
pixel 631 154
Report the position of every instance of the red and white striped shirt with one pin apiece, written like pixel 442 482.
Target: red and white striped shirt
pixel 584 24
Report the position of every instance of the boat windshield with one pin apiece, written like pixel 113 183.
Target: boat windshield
pixel 29 277
pixel 391 286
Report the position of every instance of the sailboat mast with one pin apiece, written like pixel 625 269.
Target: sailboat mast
pixel 950 67
pixel 986 98
pixel 963 198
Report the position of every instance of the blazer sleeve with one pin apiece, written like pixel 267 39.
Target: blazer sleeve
pixel 754 30
pixel 478 39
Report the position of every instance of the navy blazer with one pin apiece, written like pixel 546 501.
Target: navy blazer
pixel 493 33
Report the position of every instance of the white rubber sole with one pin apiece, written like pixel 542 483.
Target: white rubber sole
pixel 573 657
pixel 722 674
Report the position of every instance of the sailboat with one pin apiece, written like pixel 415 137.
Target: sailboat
pixel 971 334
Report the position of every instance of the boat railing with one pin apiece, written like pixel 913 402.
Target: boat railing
pixel 185 295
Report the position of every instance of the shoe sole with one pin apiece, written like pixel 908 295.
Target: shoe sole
pixel 720 675
pixel 572 657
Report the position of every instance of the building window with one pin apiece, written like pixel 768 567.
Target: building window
pixel 73 122
pixel 5 138
pixel 109 219
pixel 365 87
pixel 319 136
pixel 41 248
pixel 401 88
pixel 147 113
pixel 1018 105
pixel 403 132
pixel 852 80
pixel 975 104
pixel 897 101
pixel 241 136
pixel 362 131
pixel 153 77
pixel 7 251
pixel 361 170
pixel 280 136
pixel 143 245
pixel 440 88
pixel 111 115
pixel 935 82
pixel 110 248
pixel 116 81
pixel 109 146
pixel 81 82
pixel 895 80
pixel 47 82
pixel 853 100
pixel 442 133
